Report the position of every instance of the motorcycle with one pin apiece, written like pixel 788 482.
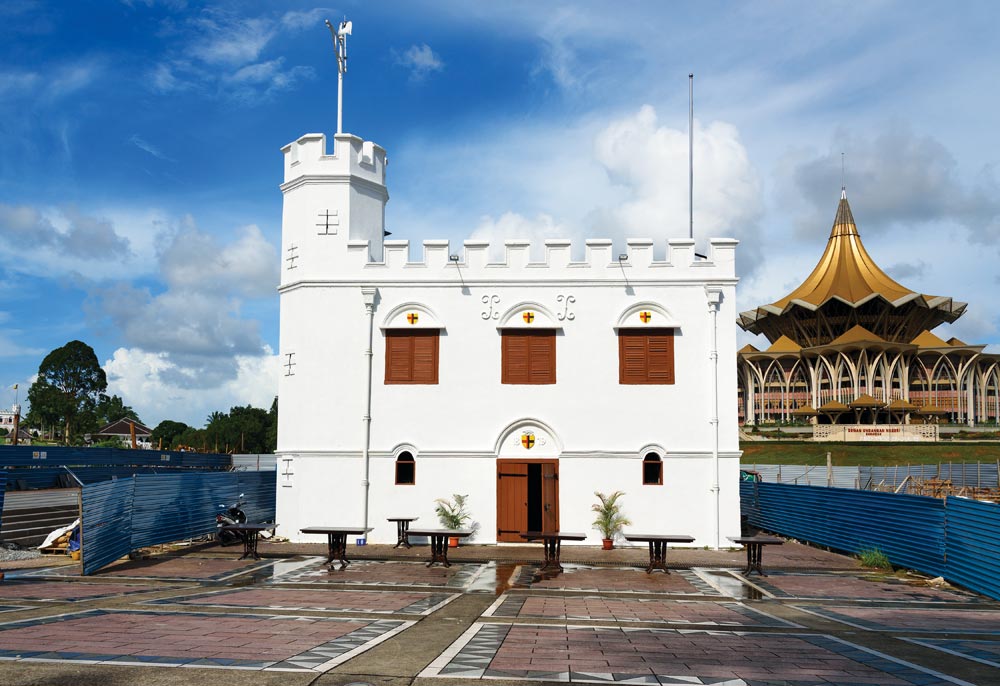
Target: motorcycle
pixel 227 517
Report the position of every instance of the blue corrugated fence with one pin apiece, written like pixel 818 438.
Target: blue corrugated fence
pixel 956 538
pixel 106 522
pixel 123 515
pixel 974 545
pixel 3 488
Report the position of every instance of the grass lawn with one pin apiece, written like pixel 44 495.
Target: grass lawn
pixel 850 454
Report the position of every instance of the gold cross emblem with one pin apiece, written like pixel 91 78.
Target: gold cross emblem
pixel 645 317
pixel 412 317
pixel 528 317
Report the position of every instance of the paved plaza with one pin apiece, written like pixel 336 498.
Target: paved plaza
pixel 493 616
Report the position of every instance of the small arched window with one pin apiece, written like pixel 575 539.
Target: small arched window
pixel 406 469
pixel 652 470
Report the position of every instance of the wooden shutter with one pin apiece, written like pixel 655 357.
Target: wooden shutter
pixel 411 357
pixel 425 357
pixel 646 356
pixel 528 357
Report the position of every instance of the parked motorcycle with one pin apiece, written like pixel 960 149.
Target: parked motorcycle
pixel 227 517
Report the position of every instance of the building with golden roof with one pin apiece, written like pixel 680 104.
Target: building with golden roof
pixel 851 345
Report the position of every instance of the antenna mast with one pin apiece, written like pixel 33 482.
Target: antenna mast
pixel 691 156
pixel 339 36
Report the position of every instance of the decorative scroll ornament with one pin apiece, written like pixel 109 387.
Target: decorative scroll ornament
pixel 646 317
pixel 528 440
pixel 566 301
pixel 528 317
pixel 412 317
pixel 491 312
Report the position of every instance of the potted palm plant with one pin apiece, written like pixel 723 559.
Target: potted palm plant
pixel 609 520
pixel 452 514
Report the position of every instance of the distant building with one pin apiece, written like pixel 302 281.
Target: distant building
pixel 527 383
pixel 852 346
pixel 121 429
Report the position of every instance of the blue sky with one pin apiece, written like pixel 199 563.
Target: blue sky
pixel 139 163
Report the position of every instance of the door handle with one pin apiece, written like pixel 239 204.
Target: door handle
pixel 548 507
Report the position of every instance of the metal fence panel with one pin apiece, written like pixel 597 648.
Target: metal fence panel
pixel 974 545
pixel 3 487
pixel 259 491
pixel 29 516
pixel 978 474
pixel 255 463
pixel 106 531
pixel 806 475
pixel 172 507
pixel 41 456
pixel 909 529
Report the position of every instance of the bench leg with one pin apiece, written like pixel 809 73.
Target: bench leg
pixel 439 551
pixel 755 554
pixel 657 557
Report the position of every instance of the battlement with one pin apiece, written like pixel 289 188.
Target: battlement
pixel 599 261
pixel 352 156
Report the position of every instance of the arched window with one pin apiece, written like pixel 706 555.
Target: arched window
pixel 652 470
pixel 406 469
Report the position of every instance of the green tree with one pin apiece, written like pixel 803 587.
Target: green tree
pixel 69 384
pixel 111 409
pixel 272 429
pixel 167 430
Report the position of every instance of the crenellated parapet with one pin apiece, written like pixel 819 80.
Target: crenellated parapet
pixel 352 156
pixel 475 259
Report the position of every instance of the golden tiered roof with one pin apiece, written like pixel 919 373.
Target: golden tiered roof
pixel 847 289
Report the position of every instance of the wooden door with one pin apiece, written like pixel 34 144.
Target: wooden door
pixel 550 496
pixel 512 500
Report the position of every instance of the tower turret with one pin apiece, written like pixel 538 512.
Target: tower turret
pixel 330 199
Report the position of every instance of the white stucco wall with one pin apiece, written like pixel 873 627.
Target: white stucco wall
pixel 595 426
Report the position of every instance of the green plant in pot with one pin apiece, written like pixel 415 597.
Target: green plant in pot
pixel 609 521
pixel 452 514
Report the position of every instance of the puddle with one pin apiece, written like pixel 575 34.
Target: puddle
pixel 731 586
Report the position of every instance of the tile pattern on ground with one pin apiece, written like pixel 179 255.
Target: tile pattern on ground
pixel 326 600
pixel 187 568
pixel 827 586
pixel 670 656
pixel 379 573
pixel 634 610
pixel 935 620
pixel 987 652
pixel 14 608
pixel 69 591
pixel 193 639
pixel 576 577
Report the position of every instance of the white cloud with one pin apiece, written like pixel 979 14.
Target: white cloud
pixel 421 60
pixel 195 261
pixel 224 52
pixel 145 146
pixel 79 238
pixel 149 382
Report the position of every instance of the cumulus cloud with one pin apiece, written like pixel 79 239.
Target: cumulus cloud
pixel 158 388
pixel 84 237
pixel 649 162
pixel 907 270
pixel 894 178
pixel 194 327
pixel 421 60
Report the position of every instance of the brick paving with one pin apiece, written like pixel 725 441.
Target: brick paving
pixel 173 638
pixel 68 591
pixel 944 619
pixel 670 656
pixel 385 602
pixel 584 578
pixel 986 652
pixel 839 586
pixel 178 568
pixel 383 573
pixel 633 610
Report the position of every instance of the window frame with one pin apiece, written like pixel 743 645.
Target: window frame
pixel 412 461
pixel 506 371
pixel 657 461
pixel 626 334
pixel 411 336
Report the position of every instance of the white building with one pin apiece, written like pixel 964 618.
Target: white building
pixel 526 385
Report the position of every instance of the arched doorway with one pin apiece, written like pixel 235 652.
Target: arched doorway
pixel 527 480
